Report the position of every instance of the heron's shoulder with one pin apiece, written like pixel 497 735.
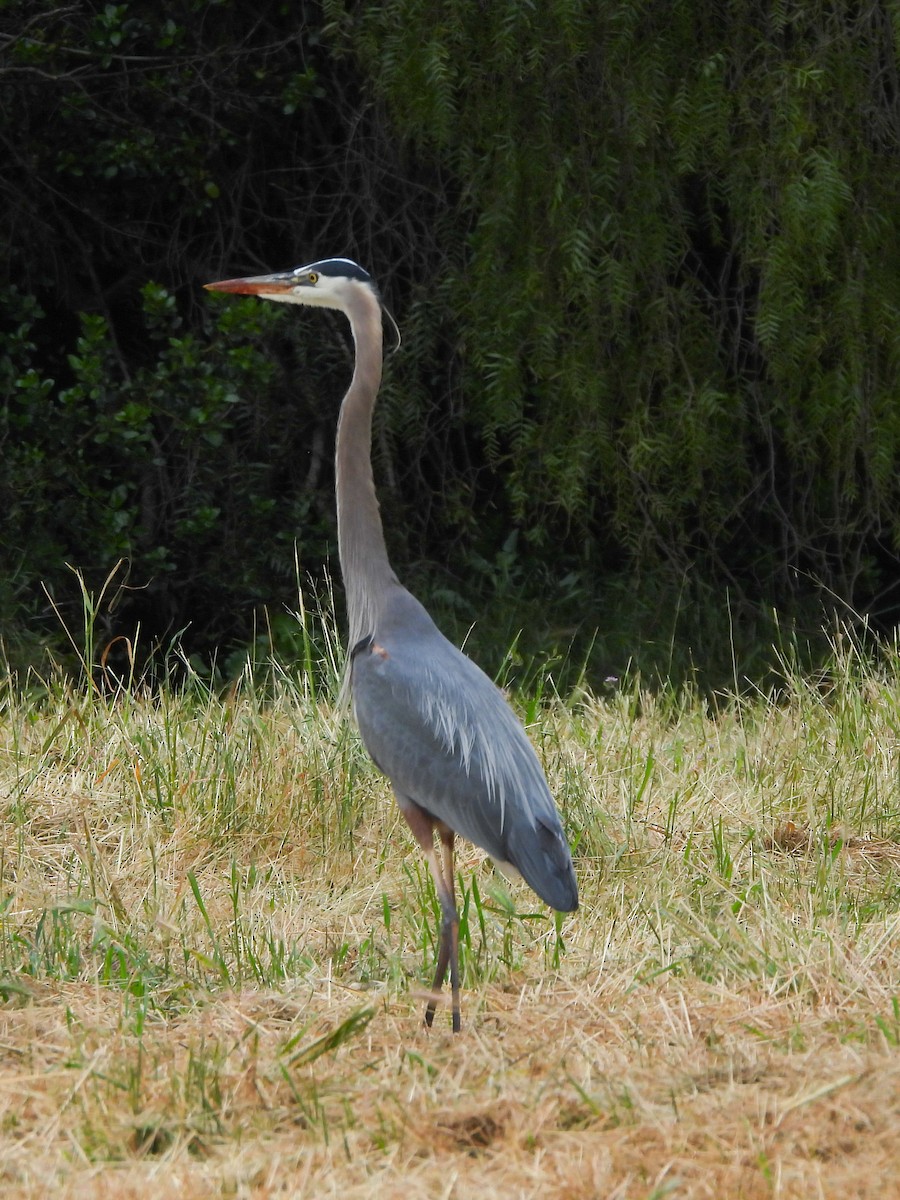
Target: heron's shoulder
pixel 400 615
pixel 412 664
pixel 406 631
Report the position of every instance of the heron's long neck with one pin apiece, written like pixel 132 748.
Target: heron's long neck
pixel 364 561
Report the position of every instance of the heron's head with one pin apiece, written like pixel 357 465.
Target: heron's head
pixel 326 284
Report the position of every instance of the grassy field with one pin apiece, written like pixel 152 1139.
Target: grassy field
pixel 215 935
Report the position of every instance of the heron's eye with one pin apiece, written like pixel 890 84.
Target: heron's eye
pixel 313 277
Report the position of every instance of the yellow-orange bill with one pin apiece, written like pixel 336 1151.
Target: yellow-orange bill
pixel 254 285
pixel 244 286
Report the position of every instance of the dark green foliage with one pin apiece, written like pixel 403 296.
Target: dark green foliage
pixel 645 258
pixel 146 152
pixel 679 291
pixel 169 466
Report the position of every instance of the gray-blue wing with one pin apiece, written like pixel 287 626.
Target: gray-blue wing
pixel 447 739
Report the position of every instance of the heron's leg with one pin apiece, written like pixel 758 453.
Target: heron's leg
pixel 423 825
pixel 440 972
pixel 448 954
pixel 446 836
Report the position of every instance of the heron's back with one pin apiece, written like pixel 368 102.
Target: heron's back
pixel 446 738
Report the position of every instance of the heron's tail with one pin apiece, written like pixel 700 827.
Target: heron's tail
pixel 541 855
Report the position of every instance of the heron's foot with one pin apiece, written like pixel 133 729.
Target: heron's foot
pixel 429 1012
pixel 431 1009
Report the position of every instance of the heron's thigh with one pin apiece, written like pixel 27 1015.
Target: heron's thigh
pixel 420 821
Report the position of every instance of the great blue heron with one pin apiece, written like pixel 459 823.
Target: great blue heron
pixel 435 725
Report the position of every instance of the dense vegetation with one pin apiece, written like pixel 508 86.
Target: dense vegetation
pixel 645 258
pixel 216 933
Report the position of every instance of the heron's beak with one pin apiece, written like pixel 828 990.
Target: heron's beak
pixel 256 285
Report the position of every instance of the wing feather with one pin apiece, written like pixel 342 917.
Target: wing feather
pixel 446 738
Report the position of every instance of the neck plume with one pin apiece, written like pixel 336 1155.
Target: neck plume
pixel 364 561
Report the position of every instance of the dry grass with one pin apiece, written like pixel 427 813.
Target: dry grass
pixel 214 934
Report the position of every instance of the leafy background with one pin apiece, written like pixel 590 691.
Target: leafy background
pixel 646 263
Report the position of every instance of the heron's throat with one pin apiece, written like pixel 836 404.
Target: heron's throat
pixel 364 562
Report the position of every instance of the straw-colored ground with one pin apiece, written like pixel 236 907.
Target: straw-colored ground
pixel 215 933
